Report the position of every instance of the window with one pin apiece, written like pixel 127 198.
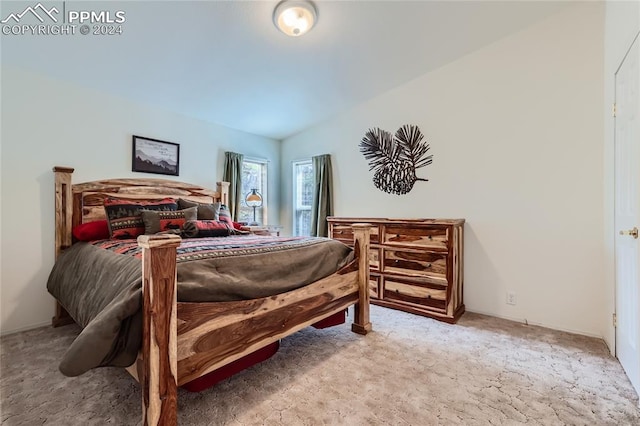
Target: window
pixel 254 176
pixel 302 197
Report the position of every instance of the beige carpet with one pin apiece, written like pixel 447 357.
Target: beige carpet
pixel 410 371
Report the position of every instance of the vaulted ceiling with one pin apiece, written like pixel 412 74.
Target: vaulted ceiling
pixel 225 62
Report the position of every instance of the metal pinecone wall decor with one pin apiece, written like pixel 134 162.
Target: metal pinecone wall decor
pixel 395 158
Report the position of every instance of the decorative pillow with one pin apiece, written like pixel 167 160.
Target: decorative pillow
pixel 125 218
pixel 205 211
pixel 224 215
pixel 159 221
pixel 91 231
pixel 206 228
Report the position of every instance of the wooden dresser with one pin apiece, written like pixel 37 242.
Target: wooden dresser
pixel 416 264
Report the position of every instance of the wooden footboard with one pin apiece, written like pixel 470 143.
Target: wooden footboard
pixel 211 335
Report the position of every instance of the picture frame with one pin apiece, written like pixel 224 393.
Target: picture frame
pixel 155 156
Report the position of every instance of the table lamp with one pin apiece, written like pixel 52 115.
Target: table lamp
pixel 253 199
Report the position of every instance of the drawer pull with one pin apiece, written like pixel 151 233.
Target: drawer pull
pixel 396 261
pixel 397 235
pixel 339 232
pixel 428 265
pixel 430 238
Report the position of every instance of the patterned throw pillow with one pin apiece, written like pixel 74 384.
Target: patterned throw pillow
pixel 206 228
pixel 125 217
pixel 159 221
pixel 224 215
pixel 205 211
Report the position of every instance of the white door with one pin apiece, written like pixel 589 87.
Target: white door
pixel 627 213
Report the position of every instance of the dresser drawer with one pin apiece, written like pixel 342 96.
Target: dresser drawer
pixel 344 232
pixel 404 291
pixel 420 237
pixel 416 263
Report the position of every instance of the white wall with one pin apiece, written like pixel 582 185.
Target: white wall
pixel 48 123
pixel 621 26
pixel 516 133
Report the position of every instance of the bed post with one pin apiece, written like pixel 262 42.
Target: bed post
pixel 64 208
pixel 63 224
pixel 361 323
pixel 159 372
pixel 223 189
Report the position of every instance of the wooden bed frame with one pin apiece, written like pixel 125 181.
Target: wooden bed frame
pixel 184 341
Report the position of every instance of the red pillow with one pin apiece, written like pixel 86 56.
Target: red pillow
pixel 206 228
pixel 91 231
pixel 237 225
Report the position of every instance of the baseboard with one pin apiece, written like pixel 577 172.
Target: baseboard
pixel 538 324
pixel 26 328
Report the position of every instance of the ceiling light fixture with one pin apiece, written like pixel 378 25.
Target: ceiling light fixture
pixel 294 18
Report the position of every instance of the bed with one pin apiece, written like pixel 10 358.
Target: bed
pixel 186 340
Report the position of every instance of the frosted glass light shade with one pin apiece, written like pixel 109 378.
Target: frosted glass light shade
pixel 253 199
pixel 294 18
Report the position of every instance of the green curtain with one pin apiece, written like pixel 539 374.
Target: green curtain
pixel 233 174
pixel 322 196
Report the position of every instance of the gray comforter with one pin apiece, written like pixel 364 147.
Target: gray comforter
pixel 101 289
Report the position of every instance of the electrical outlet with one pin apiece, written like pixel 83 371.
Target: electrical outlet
pixel 511 298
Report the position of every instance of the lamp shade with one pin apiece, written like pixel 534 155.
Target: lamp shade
pixel 253 198
pixel 294 18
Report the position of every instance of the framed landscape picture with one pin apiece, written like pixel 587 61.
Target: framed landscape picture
pixel 155 156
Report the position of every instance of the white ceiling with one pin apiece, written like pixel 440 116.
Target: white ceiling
pixel 225 62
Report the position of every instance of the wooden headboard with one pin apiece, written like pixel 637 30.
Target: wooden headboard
pixel 84 202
